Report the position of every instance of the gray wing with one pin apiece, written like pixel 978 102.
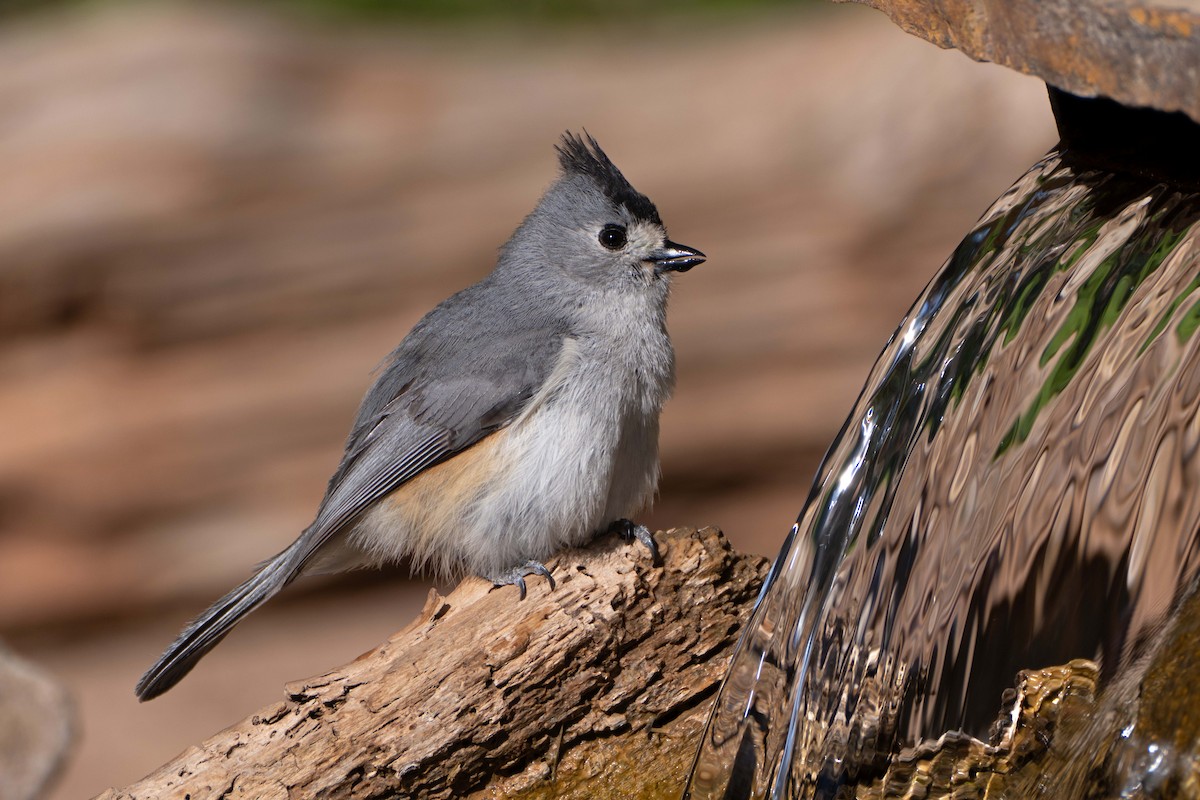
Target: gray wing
pixel 456 378
pixel 432 400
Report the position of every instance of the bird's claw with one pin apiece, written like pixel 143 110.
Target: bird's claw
pixel 630 530
pixel 516 576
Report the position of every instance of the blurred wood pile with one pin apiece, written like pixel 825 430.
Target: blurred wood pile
pixel 214 225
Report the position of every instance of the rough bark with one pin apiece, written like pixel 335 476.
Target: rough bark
pixel 597 688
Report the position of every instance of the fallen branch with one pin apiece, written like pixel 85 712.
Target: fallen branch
pixel 596 689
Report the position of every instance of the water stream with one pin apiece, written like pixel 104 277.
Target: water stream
pixel 998 541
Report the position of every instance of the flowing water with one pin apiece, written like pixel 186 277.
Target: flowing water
pixel 989 565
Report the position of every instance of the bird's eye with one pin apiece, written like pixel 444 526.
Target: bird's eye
pixel 613 236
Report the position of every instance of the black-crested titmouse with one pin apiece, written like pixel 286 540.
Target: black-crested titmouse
pixel 517 418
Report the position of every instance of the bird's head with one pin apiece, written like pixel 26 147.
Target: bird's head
pixel 596 228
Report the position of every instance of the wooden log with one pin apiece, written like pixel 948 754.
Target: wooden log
pixel 598 688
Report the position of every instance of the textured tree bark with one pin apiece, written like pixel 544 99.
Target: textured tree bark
pixel 598 688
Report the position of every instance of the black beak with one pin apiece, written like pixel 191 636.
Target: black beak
pixel 676 258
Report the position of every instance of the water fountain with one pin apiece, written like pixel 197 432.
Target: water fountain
pixel 990 590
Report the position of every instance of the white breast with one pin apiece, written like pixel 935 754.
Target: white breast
pixel 583 454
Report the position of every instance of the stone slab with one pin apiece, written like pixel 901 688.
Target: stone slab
pixel 35 727
pixel 1138 53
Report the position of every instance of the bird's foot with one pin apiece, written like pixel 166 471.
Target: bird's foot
pixel 630 530
pixel 516 575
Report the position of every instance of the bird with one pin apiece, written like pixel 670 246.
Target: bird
pixel 517 418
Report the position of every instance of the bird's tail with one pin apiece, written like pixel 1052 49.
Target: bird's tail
pixel 207 630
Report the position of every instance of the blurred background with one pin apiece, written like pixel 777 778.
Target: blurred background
pixel 216 219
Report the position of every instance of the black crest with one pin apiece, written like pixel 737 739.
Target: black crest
pixel 584 157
